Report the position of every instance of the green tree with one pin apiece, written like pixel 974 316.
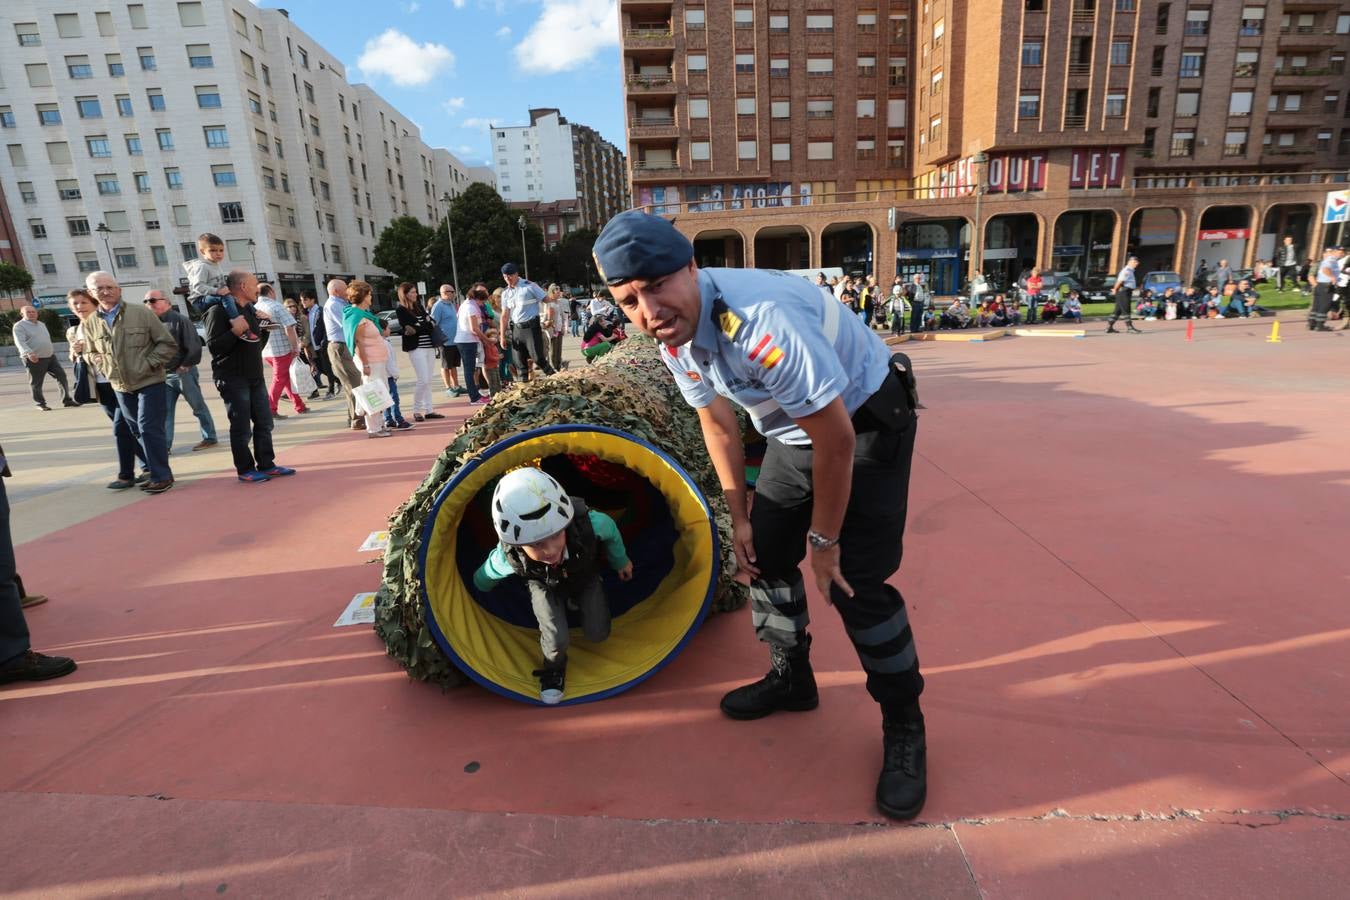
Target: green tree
pixel 486 236
pixel 403 248
pixel 572 259
pixel 14 279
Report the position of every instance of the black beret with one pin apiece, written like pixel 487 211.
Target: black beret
pixel 636 244
pixel 510 269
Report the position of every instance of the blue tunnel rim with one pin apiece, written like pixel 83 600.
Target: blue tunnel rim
pixel 429 617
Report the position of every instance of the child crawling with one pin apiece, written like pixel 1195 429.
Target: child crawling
pixel 553 542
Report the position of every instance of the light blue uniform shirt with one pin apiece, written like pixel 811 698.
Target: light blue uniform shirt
pixel 773 344
pixel 1328 270
pixel 1126 278
pixel 522 301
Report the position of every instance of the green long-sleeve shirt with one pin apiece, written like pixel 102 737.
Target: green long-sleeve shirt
pixel 495 569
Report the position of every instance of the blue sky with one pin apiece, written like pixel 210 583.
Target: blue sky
pixel 454 66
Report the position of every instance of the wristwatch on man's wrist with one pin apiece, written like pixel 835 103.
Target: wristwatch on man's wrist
pixel 819 541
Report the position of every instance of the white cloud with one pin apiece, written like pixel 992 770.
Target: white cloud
pixel 459 4
pixel 477 124
pixel 504 32
pixel 567 34
pixel 411 8
pixel 404 61
pixel 453 105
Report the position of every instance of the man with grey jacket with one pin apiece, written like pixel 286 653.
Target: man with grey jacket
pixel 34 344
pixel 181 379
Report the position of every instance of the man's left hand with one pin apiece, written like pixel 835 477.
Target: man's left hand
pixel 825 566
pixel 626 573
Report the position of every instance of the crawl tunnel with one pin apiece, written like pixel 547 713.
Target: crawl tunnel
pixel 667 528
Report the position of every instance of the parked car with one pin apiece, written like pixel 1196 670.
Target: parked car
pixel 1050 282
pixel 1095 291
pixel 1157 282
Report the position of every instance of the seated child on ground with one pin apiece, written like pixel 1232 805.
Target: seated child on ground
pixel 553 542
pixel 206 285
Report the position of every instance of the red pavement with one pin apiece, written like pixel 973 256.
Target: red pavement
pixel 1125 565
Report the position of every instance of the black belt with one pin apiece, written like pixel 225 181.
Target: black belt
pixel 893 403
pixel 528 323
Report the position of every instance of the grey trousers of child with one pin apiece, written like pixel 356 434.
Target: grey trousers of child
pixel 550 608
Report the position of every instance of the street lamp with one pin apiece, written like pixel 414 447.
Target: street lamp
pixel 253 255
pixel 524 255
pixel 980 160
pixel 450 236
pixel 105 232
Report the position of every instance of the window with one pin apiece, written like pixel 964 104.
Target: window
pixel 309 92
pixel 77 226
pixel 1197 22
pixel 27 33
pixel 818 65
pixel 936 82
pixel 1246 64
pixel 188 251
pixel 899 27
pixel 697 62
pixel 133 142
pixel 16 157
pixel 778 24
pixel 48 114
pixel 700 150
pixel 255 104
pixel 190 15
pixel 6 117
pixel 267 79
pixel 159 255
pixel 314 126
pixel 694 19
pixel 1324 140
pixel 1125 5
pixel 820 109
pixel 1240 103
pixel 136 11
pixel 297 252
pixel 68 25
pixel 147 57
pixel 1029 106
pixel 304 63
pixel 124 105
pixel 325 192
pixel 778 68
pixel 98 145
pixel 208 96
pixel 337 254
pixel 1120 53
pixel 698 107
pixel 1293 102
pixel 217 136
pixel 320 160
pixel 38 228
pixel 142 182
pixel 743 18
pixel 820 150
pixel 895 113
pixel 182 219
pixel 27 193
pixel 156 100
pixel 240 25
pixel 282 251
pixel 107 184
pixel 269 179
pixel 867 65
pixel 126 257
pixel 38 75
pixel 819 24
pixel 1188 104
pixel 165 138
pixel 1115 105
pixel 746 150
pixel 1253 23
pixel 78 68
pixel 86 261
pixel 1031 53
pixel 58 153
pixel 939 29
pixel 895 71
pixel 867 108
pixel 1034 5
pixel 1192 64
pixel 199 56
pixel 174 179
pixel 1235 143
pixel 935 129
pixel 151 219
pixel 1330 102
pixel 867 148
pixel 1183 143
pixel 231 213
pixel 48 263
pixel 117 220
pixel 867 23
pixel 745 106
pixel 780 109
pixel 780 152
pixel 114 63
pixel 745 62
pixel 68 189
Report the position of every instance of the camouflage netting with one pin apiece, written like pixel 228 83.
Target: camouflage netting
pixel 628 389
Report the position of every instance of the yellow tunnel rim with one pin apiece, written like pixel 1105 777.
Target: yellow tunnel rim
pixel 471 471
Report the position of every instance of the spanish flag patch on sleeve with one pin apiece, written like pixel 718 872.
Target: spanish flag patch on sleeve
pixel 766 353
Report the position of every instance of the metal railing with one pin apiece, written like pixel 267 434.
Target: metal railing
pixel 643 82
pixel 1077 68
pixel 1075 121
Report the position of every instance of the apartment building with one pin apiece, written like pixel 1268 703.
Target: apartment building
pixel 1065 133
pixel 130 130
pixel 552 159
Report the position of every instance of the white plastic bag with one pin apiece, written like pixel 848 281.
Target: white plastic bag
pixel 372 397
pixel 302 382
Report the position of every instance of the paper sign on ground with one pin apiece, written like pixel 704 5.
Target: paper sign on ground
pixel 361 611
pixel 378 540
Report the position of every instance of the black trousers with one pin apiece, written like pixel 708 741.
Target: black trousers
pixel 527 340
pixel 324 367
pixel 13 626
pixel 1122 306
pixel 871 547
pixel 1321 304
pixel 250 416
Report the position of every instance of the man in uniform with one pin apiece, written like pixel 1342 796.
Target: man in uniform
pixel 1124 291
pixel 839 415
pixel 521 301
pixel 1323 282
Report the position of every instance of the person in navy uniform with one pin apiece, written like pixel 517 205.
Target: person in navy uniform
pixel 839 414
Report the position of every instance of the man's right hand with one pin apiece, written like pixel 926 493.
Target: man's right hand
pixel 743 540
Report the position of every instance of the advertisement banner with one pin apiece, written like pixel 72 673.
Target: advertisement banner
pixel 1014 173
pixel 1224 234
pixel 1096 167
pixel 763 195
pixel 1337 208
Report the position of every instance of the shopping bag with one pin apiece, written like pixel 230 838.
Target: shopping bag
pixel 372 397
pixel 302 382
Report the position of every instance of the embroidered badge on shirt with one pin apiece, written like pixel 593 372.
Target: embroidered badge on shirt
pixel 728 321
pixel 693 376
pixel 766 353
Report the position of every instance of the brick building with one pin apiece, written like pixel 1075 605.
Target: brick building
pixel 883 135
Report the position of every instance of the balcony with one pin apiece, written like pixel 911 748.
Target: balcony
pixel 652 127
pixel 1077 68
pixel 662 83
pixel 648 39
pixel 657 168
pixel 1074 121
pixel 1084 13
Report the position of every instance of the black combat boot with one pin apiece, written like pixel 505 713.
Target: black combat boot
pixel 790 685
pixel 903 784
pixel 1111 327
pixel 1130 327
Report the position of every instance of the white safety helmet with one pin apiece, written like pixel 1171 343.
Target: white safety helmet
pixel 529 505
